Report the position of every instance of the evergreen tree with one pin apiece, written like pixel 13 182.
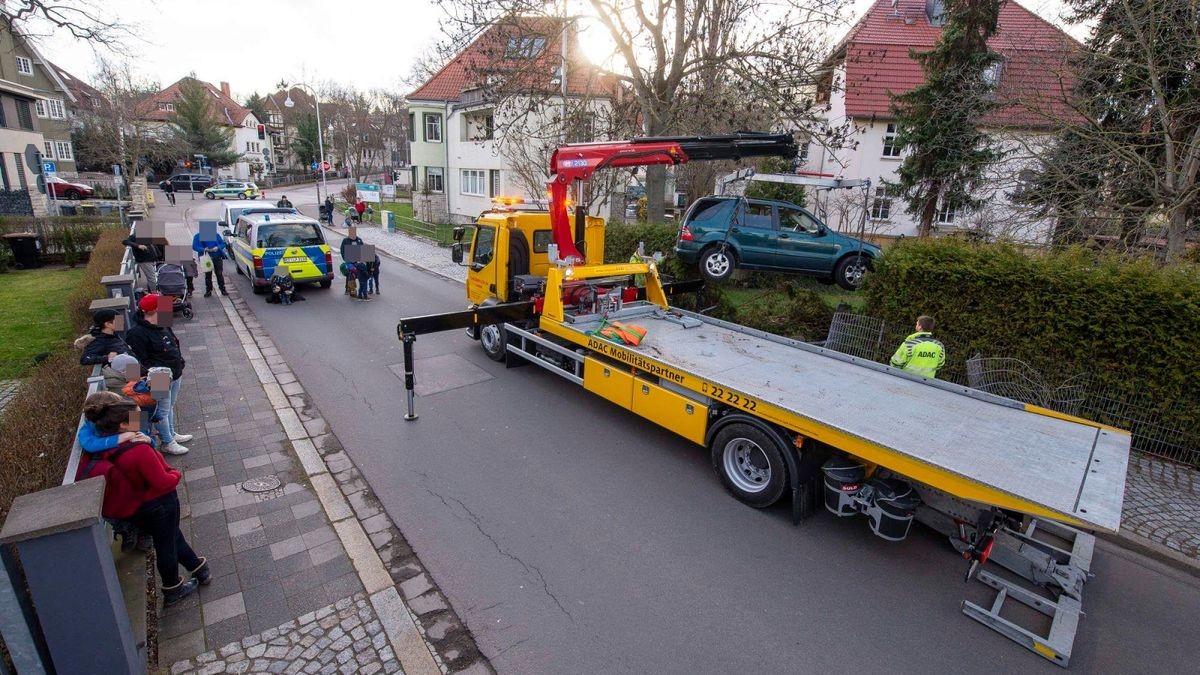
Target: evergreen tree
pixel 198 128
pixel 938 121
pixel 257 105
pixel 306 146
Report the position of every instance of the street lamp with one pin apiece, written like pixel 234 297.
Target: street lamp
pixel 289 103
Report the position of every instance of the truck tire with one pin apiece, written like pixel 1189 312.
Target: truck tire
pixel 716 264
pixel 750 463
pixel 850 271
pixel 493 338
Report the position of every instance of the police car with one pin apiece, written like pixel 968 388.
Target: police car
pixel 261 242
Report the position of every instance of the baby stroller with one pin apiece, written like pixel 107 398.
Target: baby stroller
pixel 172 281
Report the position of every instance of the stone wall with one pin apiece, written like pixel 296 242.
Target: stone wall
pixel 431 208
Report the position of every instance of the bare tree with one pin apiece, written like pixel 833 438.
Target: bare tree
pixel 112 133
pixel 1127 156
pixel 88 20
pixel 768 51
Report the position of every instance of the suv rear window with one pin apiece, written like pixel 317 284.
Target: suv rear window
pixel 707 209
pixel 288 234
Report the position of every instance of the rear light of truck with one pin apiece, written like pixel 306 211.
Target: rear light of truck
pixel 684 233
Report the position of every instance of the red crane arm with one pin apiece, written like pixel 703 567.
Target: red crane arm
pixel 578 161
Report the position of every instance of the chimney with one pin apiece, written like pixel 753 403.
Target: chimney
pixel 225 89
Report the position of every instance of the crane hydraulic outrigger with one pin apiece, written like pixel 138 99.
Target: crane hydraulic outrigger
pixel 1002 480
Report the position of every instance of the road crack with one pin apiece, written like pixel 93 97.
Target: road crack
pixel 530 569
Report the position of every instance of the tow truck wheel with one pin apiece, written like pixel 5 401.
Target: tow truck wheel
pixel 750 463
pixel 492 338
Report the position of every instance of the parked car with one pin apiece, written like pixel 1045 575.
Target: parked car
pixel 237 189
pixel 60 188
pixel 237 209
pixel 188 182
pixel 722 234
pixel 263 241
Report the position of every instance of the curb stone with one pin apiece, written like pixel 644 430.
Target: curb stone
pixel 382 558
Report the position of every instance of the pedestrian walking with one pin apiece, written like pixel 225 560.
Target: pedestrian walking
pixel 157 345
pixel 146 255
pixel 920 353
pixel 284 203
pixel 214 248
pixel 360 207
pixel 144 491
pixel 328 212
pixel 373 276
pixel 169 190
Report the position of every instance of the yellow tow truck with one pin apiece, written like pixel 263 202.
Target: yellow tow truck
pixel 1006 482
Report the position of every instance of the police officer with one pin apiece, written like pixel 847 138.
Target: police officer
pixel 920 354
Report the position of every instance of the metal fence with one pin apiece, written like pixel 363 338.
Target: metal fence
pixel 95 382
pixel 863 336
pixel 1079 395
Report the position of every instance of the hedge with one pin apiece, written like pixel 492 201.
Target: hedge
pixel 1133 326
pixel 65 239
pixel 41 419
pixel 621 239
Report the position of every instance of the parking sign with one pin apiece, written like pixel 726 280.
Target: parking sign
pixel 49 167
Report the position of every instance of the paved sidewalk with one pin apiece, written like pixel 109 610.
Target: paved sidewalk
pixel 8 389
pixel 1162 505
pixel 310 572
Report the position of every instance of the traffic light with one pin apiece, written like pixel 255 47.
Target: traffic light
pixel 262 132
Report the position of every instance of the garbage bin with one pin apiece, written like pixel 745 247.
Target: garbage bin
pixel 389 221
pixel 24 247
pixel 67 210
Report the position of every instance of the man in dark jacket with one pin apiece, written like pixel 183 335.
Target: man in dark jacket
pixel 155 345
pixel 102 344
pixel 146 254
pixel 350 239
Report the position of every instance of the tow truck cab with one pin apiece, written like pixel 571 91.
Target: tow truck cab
pixel 509 253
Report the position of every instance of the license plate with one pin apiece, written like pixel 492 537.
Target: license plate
pixel 295 260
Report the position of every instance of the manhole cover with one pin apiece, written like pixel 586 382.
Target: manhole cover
pixel 261 484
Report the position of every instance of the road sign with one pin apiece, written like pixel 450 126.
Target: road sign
pixel 49 167
pixel 389 191
pixel 116 169
pixel 316 165
pixel 324 166
pixel 368 192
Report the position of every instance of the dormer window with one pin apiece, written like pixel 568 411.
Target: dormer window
pixel 991 74
pixel 166 107
pixel 524 47
pixel 935 10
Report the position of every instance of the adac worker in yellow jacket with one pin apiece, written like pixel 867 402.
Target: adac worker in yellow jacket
pixel 920 354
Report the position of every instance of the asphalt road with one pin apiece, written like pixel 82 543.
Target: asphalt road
pixel 574 537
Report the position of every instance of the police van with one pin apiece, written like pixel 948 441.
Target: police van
pixel 261 242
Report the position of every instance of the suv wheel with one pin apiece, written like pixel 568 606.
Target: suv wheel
pixel 851 270
pixel 717 263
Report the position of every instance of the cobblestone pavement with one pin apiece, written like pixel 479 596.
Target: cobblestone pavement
pixel 345 637
pixel 1162 504
pixel 8 389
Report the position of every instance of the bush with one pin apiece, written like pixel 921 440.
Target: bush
pixel 1130 324
pixel 45 412
pixel 621 239
pixel 795 312
pixel 5 256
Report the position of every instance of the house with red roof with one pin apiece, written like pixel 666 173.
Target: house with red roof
pixel 1031 83
pixel 458 121
pixel 249 133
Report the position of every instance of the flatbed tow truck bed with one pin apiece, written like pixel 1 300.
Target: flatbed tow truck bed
pixel 970 444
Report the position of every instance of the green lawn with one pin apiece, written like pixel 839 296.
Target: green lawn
pixel 33 317
pixel 442 233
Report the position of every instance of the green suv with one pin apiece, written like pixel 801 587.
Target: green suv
pixel 721 234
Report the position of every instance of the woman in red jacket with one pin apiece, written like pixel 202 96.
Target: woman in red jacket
pixel 154 480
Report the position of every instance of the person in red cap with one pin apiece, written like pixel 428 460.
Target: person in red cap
pixel 156 345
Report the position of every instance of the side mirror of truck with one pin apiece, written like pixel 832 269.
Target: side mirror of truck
pixel 458 235
pixel 456 251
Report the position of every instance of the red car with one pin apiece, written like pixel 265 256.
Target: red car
pixel 64 189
